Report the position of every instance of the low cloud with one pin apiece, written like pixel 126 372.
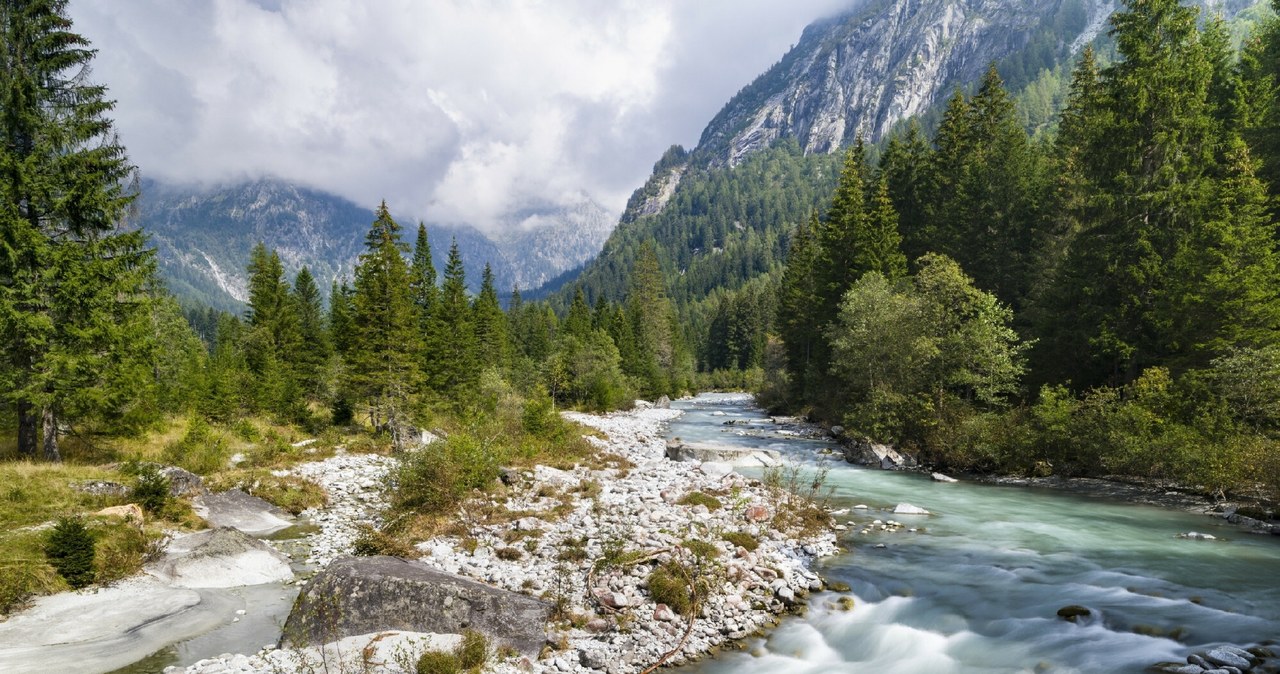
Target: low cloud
pixel 451 110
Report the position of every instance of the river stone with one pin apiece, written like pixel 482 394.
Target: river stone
pixel 1226 658
pixel 866 453
pixel 908 509
pixel 222 557
pixel 939 477
pixel 715 469
pixel 1073 613
pixel 359 595
pixel 729 454
pixel 238 510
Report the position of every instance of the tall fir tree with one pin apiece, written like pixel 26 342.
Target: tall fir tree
pixel 451 364
pixel 74 283
pixel 799 324
pixel 904 166
pixel 314 347
pixel 491 329
pixel 382 359
pixel 422 278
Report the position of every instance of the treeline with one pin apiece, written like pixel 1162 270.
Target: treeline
pixel 1102 302
pixel 398 344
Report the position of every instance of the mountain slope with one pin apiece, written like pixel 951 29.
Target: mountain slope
pixel 203 238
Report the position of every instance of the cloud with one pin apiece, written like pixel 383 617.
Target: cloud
pixel 451 110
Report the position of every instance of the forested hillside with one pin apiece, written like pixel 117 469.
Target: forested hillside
pixel 1104 302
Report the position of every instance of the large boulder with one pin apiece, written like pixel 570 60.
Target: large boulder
pixel 360 595
pixel 221 557
pixel 866 453
pixel 238 510
pixel 702 452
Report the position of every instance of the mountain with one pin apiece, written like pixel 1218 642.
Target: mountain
pixel 721 213
pixel 203 237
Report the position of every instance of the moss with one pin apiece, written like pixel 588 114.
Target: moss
pixel 697 498
pixel 742 539
pixel 669 584
pixel 701 549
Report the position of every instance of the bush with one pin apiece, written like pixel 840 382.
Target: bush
pixel 669 584
pixel 200 450
pixel 371 542
pixel 439 475
pixel 120 551
pixel 151 489
pixel 436 662
pixel 473 651
pixel 70 550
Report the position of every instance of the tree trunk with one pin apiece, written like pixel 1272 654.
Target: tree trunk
pixel 26 431
pixel 50 422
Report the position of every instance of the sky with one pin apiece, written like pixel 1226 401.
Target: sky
pixel 453 111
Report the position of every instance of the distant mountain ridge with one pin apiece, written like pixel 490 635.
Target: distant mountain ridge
pixel 203 237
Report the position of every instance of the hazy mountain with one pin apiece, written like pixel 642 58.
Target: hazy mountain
pixel 203 237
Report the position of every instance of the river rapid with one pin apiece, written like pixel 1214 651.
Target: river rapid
pixel 978 586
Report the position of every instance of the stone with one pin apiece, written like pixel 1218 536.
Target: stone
pixel 1196 536
pixel 1226 658
pixel 182 482
pixel 908 509
pixel 662 403
pixel 508 476
pixel 593 658
pixel 1073 613
pixel 939 477
pixel 756 513
pixel 786 594
pixel 715 469
pixel 359 595
pixel 222 557
pixel 664 613
pixel 837 431
pixel 678 450
pixel 610 599
pixel 238 510
pixel 1175 668
pixel 866 453
pixel 101 488
pixel 597 626
pixel 130 512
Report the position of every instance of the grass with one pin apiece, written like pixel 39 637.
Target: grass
pixel 292 493
pixel 697 498
pixel 741 539
pixel 669 584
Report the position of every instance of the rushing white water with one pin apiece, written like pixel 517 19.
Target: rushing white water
pixel 979 588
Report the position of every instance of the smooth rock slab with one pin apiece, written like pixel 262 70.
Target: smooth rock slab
pixel 908 509
pixel 238 510
pixel 1226 658
pixel 221 557
pixel 360 595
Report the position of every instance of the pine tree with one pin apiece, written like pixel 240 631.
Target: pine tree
pixel 314 346
pixel 1257 100
pixel 578 321
pixel 451 365
pixel 491 331
pixel 1175 261
pixel 341 330
pixel 878 243
pixel 382 357
pixel 904 166
pixel 422 278
pixel 272 314
pixel 799 324
pixel 650 314
pixel 838 235
pixel 74 283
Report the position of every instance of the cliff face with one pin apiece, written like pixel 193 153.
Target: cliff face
pixel 865 71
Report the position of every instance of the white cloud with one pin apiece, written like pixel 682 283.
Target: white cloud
pixel 451 110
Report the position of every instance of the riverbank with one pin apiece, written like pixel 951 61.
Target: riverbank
pixel 590 540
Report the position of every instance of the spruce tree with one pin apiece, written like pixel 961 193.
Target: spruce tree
pixel 422 278
pixel 382 358
pixel 341 330
pixel 491 330
pixel 314 347
pixel 74 283
pixel 578 321
pixel 799 324
pixel 451 364
pixel 904 166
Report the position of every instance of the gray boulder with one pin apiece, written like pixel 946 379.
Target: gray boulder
pixel 238 510
pixel 221 557
pixel 362 595
pixel 702 452
pixel 663 403
pixel 182 482
pixel 866 453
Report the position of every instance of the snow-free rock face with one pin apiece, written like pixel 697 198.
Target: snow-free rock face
pixel 359 595
pixel 238 510
pixel 885 61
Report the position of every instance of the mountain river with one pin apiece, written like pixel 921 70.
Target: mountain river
pixel 977 588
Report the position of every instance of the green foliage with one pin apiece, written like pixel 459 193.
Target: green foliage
pixel 437 476
pixel 695 498
pixel 371 542
pixel 437 662
pixel 201 450
pixel 473 652
pixel 69 548
pixel 741 539
pixel 150 489
pixel 669 584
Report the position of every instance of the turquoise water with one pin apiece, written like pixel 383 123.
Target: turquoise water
pixel 979 588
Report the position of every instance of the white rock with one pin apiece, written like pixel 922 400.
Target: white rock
pixel 908 509
pixel 939 477
pixel 715 469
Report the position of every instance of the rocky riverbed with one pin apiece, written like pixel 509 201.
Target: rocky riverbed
pixel 588 539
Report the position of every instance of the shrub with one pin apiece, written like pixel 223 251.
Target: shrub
pixel 439 475
pixel 436 662
pixel 120 551
pixel 669 584
pixel 371 542
pixel 510 554
pixel 200 450
pixel 151 489
pixel 473 651
pixel 70 550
